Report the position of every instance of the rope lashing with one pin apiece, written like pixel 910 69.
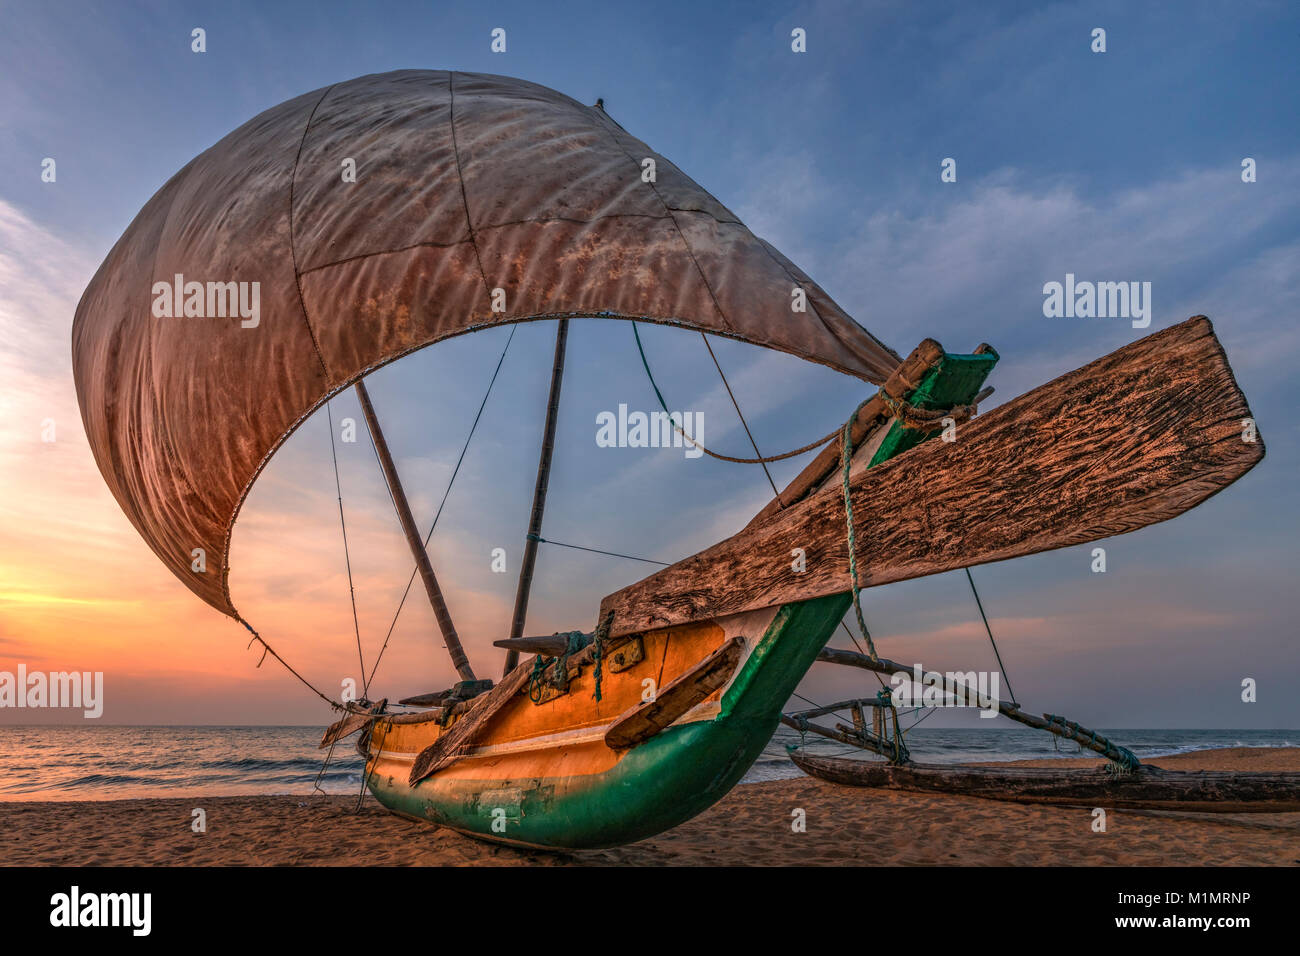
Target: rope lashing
pixel 535 679
pixel 1123 759
pixel 925 419
pixel 576 641
pixel 267 649
pixel 901 754
pixel 598 650
pixel 846 459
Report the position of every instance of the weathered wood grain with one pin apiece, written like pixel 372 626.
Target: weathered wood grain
pixel 674 699
pixel 1136 437
pixel 456 741
pixel 358 716
pixel 551 645
pixel 1148 788
pixel 346 727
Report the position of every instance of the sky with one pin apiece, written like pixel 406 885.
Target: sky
pixel 1115 166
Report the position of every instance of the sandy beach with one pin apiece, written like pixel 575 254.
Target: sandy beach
pixel 750 826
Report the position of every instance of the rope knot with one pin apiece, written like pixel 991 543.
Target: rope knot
pixel 926 419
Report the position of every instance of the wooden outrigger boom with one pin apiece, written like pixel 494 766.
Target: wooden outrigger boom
pixel 1136 437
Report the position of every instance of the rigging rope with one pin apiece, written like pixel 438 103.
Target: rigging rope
pixel 846 459
pixel 926 419
pixel 980 605
pixel 741 415
pixel 455 471
pixel 577 547
pixel 316 787
pixel 347 558
pixel 762 459
pixel 267 649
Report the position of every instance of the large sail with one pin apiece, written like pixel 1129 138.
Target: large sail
pixel 347 227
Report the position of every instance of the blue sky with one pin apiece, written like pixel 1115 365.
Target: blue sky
pixel 1116 166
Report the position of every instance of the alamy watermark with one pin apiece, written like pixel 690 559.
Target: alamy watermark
pixel 208 300
pixel 82 690
pixel 922 688
pixel 653 430
pixel 129 910
pixel 1098 300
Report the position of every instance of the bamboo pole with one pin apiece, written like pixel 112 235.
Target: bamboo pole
pixel 539 496
pixel 449 636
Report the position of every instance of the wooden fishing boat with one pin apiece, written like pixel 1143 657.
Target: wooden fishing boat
pixel 489 201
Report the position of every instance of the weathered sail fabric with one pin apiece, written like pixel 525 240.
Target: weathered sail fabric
pixel 465 184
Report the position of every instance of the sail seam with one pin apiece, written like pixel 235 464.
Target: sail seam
pixel 460 176
pixel 763 244
pixel 676 225
pixel 431 244
pixel 767 248
pixel 293 252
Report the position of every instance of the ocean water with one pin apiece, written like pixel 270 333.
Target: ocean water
pixel 111 763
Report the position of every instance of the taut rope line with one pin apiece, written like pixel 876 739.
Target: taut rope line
pixel 763 459
pixel 347 558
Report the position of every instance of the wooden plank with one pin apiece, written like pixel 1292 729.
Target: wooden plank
pixel 357 717
pixel 551 645
pixel 455 742
pixel 1148 788
pixel 1131 439
pixel 346 727
pixel 646 719
pixel 903 379
pixel 426 700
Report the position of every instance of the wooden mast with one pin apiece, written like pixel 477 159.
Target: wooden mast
pixel 418 551
pixel 539 496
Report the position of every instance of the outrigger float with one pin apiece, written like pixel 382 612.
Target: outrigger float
pixel 481 201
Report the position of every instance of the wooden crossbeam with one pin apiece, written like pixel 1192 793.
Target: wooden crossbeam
pixel 1136 437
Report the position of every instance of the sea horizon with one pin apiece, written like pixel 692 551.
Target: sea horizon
pixel 63 763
